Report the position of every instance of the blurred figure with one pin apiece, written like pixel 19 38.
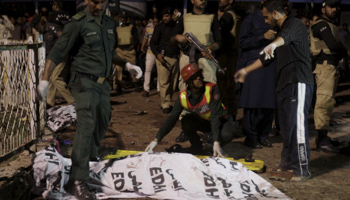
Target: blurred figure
pixel 6 27
pixel 167 59
pixel 227 55
pixel 150 58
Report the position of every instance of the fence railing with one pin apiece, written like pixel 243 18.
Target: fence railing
pixel 21 66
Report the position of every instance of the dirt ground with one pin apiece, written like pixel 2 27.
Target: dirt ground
pixel 136 120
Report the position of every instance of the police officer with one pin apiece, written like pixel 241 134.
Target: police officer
pixel 89 39
pixel 328 50
pixel 167 59
pixel 207 113
pixel 206 30
pixel 54 27
pixel 128 40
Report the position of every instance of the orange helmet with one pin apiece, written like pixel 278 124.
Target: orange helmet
pixel 189 70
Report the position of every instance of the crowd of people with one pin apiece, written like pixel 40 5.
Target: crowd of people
pixel 271 61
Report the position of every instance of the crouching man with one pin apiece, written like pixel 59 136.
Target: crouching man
pixel 207 113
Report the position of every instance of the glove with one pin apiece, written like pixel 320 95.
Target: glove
pixel 43 89
pixel 134 70
pixel 217 150
pixel 268 51
pixel 150 147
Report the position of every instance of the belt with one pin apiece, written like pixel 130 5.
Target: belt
pixel 94 78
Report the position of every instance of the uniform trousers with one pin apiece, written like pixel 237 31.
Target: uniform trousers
pixel 192 123
pixel 150 62
pixel 128 56
pixel 57 84
pixel 293 103
pixel 257 123
pixel 209 70
pixel 167 79
pixel 93 116
pixel 327 77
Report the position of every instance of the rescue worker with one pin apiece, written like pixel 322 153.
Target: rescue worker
pixel 207 31
pixel 128 40
pixel 328 50
pixel 206 113
pixel 89 39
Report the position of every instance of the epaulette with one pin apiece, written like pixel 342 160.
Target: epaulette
pixel 79 15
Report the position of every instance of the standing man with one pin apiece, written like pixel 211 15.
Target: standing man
pixel 206 113
pixel 328 49
pixel 89 39
pixel 258 93
pixel 167 59
pixel 54 27
pixel 294 86
pixel 206 30
pixel 150 58
pixel 227 55
pixel 128 40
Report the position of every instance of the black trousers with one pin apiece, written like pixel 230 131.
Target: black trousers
pixel 193 123
pixel 257 123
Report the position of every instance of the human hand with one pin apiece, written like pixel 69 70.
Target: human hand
pixel 217 150
pixel 43 89
pixel 240 76
pixel 150 147
pixel 268 51
pixel 134 70
pixel 160 58
pixel 270 35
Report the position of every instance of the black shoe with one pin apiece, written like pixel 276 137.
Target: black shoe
pixel 181 138
pixel 328 148
pixel 266 143
pixel 251 144
pixel 80 190
pixel 145 94
pixel 167 110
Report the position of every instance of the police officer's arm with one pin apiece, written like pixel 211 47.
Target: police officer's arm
pixel 61 48
pixel 322 31
pixel 215 28
pixel 170 121
pixel 216 111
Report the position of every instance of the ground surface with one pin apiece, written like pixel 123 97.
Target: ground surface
pixel 136 120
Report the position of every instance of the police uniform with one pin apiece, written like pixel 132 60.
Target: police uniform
pixel 207 114
pixel 207 31
pixel 91 44
pixel 53 26
pixel 127 35
pixel 167 73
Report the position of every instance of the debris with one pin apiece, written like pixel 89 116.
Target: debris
pixel 140 112
pixel 277 178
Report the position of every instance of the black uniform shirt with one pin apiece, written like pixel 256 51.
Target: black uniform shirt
pixel 323 32
pixel 161 40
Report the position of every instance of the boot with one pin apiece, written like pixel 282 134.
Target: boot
pixel 324 143
pixel 80 190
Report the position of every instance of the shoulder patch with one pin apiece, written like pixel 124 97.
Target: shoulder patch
pixel 79 15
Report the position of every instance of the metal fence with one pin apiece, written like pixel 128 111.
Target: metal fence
pixel 20 111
